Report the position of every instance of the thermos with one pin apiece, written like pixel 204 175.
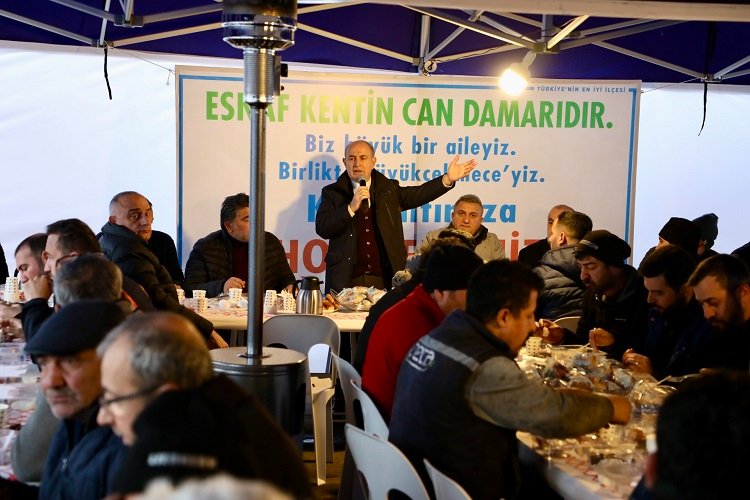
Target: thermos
pixel 309 297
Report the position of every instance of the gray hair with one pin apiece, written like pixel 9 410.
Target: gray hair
pixel 469 198
pixel 89 276
pixel 164 348
pixel 115 201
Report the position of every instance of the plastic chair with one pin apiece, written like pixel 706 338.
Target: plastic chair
pixel 301 332
pixel 347 375
pixel 383 466
pixel 568 323
pixel 374 421
pixel 445 487
pixel 349 487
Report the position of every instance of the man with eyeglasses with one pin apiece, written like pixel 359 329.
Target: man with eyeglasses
pixel 83 456
pixel 467 215
pixel 161 397
pixel 123 240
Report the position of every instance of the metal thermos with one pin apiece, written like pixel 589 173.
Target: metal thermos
pixel 309 297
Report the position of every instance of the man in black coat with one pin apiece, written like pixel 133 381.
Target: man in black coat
pixel 123 240
pixel 219 260
pixel 614 314
pixel 360 214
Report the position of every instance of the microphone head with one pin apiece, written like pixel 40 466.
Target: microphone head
pixel 362 181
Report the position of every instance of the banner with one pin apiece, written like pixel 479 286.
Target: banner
pixel 571 142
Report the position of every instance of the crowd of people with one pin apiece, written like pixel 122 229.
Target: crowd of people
pixel 128 393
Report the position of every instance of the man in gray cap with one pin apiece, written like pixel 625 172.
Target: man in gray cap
pixel 443 290
pixel 83 456
pixel 615 307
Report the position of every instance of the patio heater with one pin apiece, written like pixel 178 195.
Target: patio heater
pixel 276 376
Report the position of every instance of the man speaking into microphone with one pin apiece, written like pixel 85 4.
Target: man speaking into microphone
pixel 360 215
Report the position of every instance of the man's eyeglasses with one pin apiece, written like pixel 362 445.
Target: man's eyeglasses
pixel 106 403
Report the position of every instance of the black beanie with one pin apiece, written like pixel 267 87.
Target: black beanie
pixel 709 224
pixel 449 268
pixel 683 233
pixel 605 246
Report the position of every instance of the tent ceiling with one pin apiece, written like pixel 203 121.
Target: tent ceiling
pixel 660 41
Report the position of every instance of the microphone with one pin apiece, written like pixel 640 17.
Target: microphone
pixel 365 202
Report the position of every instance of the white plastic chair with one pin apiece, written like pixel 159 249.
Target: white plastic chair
pixel 347 375
pixel 349 487
pixel 568 323
pixel 301 332
pixel 374 421
pixel 445 487
pixel 383 466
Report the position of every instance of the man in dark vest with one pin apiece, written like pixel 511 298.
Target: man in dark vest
pixel 360 214
pixel 461 397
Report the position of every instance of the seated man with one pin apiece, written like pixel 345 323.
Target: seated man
pixel 123 241
pixel 179 419
pixel 87 277
pixel 83 456
pixel 442 290
pixel 219 261
pixel 461 397
pixel 532 254
pixel 722 286
pixel 684 233
pixel 66 239
pixel 30 264
pixel 29 257
pixel 709 224
pixel 467 215
pixel 614 313
pixel 678 335
pixel 702 438
pixel 415 275
pixel 563 289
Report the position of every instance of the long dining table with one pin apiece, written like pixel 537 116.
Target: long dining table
pixel 19 385
pixel 606 464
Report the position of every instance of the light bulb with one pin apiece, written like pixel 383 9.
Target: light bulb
pixel 514 80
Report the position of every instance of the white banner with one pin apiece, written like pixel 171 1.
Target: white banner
pixel 571 142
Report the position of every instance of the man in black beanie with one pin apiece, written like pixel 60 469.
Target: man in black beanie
pixel 683 233
pixel 709 224
pixel 443 289
pixel 615 307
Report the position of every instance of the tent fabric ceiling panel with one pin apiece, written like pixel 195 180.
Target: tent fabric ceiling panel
pixel 397 29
